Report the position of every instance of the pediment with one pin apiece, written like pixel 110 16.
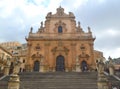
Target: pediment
pixel 37 55
pixel 60 13
pixel 59 49
pixel 84 55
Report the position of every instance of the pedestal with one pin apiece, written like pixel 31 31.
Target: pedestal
pixel 27 68
pixel 111 71
pixel 66 69
pixel 42 68
pixel 6 70
pixel 78 69
pixel 102 85
pixel 14 82
pixel 69 69
pixel 102 82
pixel 74 69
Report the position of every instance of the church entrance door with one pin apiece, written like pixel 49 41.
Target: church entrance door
pixel 60 63
pixel 36 66
pixel 84 66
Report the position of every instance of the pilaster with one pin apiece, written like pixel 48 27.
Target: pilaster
pixel 73 51
pixel 28 66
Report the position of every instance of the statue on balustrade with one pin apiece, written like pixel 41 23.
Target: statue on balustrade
pixel 100 66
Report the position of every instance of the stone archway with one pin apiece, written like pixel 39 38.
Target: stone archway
pixel 60 63
pixel 36 66
pixel 84 65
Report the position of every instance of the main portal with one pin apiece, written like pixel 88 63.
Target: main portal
pixel 60 63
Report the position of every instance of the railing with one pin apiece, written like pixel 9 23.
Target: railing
pixel 117 84
pixel 114 86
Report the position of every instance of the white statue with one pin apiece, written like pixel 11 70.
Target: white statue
pixel 77 59
pixel 111 66
pixel 8 62
pixel 100 66
pixel 78 69
pixel 110 62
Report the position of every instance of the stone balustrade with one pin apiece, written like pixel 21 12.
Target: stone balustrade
pixel 60 36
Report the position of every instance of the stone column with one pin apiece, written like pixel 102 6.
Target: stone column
pixel 6 70
pixel 42 65
pixel 73 50
pixel 66 64
pixel 93 64
pixel 54 62
pixel 14 82
pixel 47 44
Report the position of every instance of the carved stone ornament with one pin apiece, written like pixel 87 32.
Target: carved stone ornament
pixel 82 47
pixel 60 11
pixel 84 55
pixel 60 49
pixel 79 29
pixel 60 43
pixel 31 29
pixel 29 44
pixel 62 24
pixel 37 55
pixel 38 48
pixel 41 29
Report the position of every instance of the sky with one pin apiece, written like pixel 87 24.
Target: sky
pixel 102 16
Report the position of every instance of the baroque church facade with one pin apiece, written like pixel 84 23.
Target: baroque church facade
pixel 60 45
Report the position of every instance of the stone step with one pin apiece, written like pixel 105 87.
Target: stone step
pixel 58 80
pixel 58 73
pixel 63 83
pixel 61 86
pixel 3 85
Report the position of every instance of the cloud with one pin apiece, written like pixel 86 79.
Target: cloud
pixel 114 53
pixel 17 16
pixel 102 17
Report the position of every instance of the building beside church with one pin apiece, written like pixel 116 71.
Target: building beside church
pixel 5 57
pixel 60 45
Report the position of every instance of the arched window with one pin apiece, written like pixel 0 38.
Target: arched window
pixel 60 29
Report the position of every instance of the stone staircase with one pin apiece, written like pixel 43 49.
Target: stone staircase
pixel 58 80
pixel 4 82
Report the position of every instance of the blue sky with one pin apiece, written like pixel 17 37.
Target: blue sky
pixel 103 16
